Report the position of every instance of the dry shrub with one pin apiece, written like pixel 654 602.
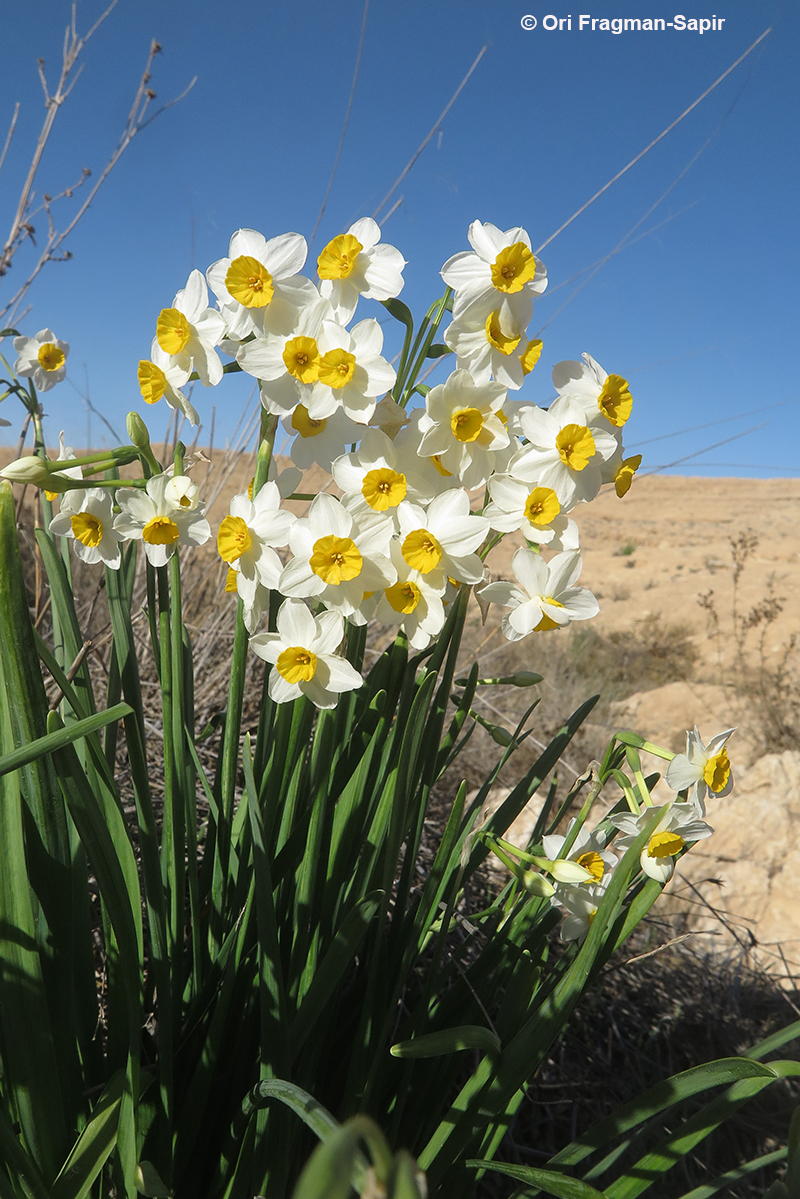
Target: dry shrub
pixel 646 1019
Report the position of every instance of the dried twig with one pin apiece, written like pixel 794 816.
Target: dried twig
pixel 22 229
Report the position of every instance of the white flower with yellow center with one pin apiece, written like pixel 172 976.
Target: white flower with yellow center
pixel 494 346
pixel 502 268
pixel 441 542
pixel 357 263
pixel 149 516
pixel 319 439
pixel 157 377
pixel 579 904
pixel 544 596
pixel 608 395
pixel 378 477
pixel 189 330
pixel 255 273
pixel 678 827
pixel 352 373
pixel 705 769
pixel 248 536
pixel 563 451
pixel 42 358
pixel 285 358
pixel 89 520
pixel 338 557
pixel 462 427
pixel 302 656
pixel 182 492
pixel 414 602
pixel 534 511
pixel 588 850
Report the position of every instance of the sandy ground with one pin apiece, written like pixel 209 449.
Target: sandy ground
pixel 668 541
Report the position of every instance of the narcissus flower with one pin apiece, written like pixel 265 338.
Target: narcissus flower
pixel 247 539
pixel 705 769
pixel 302 657
pixel 338 557
pixel 440 543
pixel 256 272
pixel 579 904
pixel 544 596
pixel 598 392
pixel 414 602
pixel 358 263
pixel 158 377
pixel 285 358
pixel 461 426
pixel 351 372
pixel 588 850
pixel 563 451
pixel 65 452
pixel 623 475
pixel 536 512
pixel 678 827
pixel 493 347
pixel 41 358
pixel 379 476
pixel 88 519
pixel 503 268
pixel 189 330
pixel 149 516
pixel 319 439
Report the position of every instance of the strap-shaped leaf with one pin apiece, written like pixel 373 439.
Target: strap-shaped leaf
pixel 332 967
pixel 94 1145
pixel 66 735
pixel 449 1040
pixel 549 1181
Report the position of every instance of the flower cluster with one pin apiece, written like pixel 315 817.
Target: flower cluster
pixel 405 532
pixel 407 529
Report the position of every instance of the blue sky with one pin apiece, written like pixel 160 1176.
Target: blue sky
pixel 700 314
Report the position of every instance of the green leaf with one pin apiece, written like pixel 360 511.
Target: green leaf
pixel 310 1111
pixel 94 1145
pixel 545 1180
pixel 438 350
pixel 449 1040
pixel 736 1175
pixel 332 967
pixel 328 1174
pixel 66 735
pixel 21 1166
pixel 657 1099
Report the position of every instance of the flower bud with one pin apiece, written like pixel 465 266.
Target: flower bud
pixel 137 431
pixel 28 470
pixel 565 871
pixel 523 678
pixel 537 884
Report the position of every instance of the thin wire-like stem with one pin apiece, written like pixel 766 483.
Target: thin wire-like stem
pixel 444 113
pixel 654 142
pixel 344 126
